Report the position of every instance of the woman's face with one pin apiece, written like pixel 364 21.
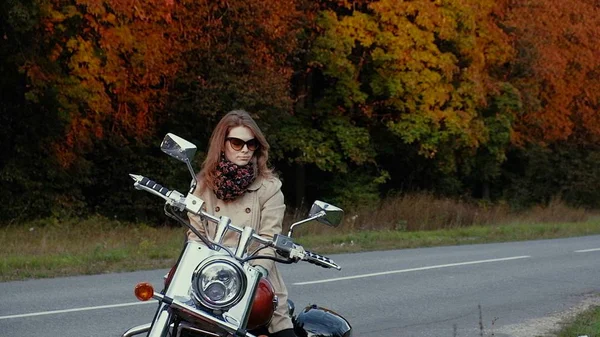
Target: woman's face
pixel 240 145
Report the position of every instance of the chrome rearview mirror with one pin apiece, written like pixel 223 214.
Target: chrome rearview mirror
pixel 178 147
pixel 323 213
pixel 183 150
pixel 332 215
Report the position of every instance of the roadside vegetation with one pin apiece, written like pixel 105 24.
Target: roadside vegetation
pixel 60 247
pixel 584 324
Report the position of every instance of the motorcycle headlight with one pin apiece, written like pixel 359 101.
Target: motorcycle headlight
pixel 218 284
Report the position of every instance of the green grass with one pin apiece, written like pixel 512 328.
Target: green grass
pixel 585 324
pixel 51 248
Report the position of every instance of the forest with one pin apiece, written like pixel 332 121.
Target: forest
pixel 494 101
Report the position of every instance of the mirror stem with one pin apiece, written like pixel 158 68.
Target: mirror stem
pixel 194 181
pixel 318 215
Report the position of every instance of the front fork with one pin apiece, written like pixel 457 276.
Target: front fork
pixel 160 325
pixel 137 330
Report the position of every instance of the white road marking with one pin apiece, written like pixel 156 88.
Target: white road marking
pixel 587 250
pixel 76 310
pixel 298 283
pixel 412 269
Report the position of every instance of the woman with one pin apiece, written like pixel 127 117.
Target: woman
pixel 235 181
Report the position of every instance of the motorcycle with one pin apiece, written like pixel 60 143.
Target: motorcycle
pixel 213 290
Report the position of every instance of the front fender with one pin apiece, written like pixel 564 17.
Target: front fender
pixel 315 321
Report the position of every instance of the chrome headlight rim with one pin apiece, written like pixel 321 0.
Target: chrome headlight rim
pixel 200 296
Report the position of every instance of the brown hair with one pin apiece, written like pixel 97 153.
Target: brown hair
pixel 217 145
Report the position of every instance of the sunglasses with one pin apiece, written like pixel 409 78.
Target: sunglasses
pixel 238 144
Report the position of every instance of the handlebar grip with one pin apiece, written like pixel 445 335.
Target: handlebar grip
pixel 153 185
pixel 320 260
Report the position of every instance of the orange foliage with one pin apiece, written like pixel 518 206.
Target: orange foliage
pixel 117 58
pixel 115 62
pixel 250 41
pixel 559 43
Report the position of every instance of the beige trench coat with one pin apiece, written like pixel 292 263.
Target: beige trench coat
pixel 261 207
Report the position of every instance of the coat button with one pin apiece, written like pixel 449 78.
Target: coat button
pixel 248 210
pixel 217 209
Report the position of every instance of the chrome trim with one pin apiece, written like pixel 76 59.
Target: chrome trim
pixel 222 227
pixel 180 283
pixel 189 327
pixel 243 242
pixel 243 309
pixel 231 328
pixel 136 330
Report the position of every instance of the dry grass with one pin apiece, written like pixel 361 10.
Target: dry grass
pixel 424 212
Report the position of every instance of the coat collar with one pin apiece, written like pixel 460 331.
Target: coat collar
pixel 256 184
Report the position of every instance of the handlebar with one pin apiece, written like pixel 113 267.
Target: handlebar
pixel 152 185
pixel 320 260
pixel 193 204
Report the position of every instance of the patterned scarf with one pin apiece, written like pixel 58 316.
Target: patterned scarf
pixel 232 180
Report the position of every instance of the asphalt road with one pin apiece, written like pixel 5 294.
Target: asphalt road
pixel 469 290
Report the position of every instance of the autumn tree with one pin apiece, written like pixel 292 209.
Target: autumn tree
pixel 113 75
pixel 110 63
pixel 91 75
pixel 558 69
pixel 423 71
pixel 557 72
pixel 237 55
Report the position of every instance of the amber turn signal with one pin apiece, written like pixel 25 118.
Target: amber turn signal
pixel 143 291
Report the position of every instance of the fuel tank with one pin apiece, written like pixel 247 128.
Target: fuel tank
pixel 263 306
